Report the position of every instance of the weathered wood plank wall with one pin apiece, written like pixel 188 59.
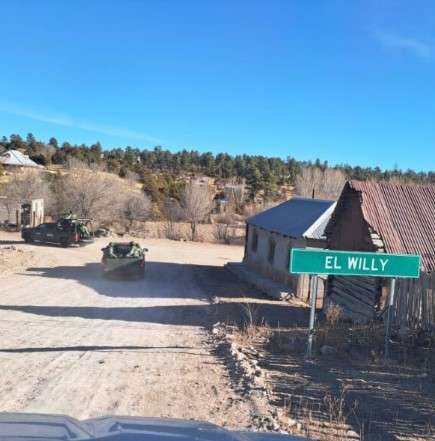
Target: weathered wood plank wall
pixel 357 296
pixel 415 303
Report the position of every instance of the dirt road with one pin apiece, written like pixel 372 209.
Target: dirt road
pixel 73 342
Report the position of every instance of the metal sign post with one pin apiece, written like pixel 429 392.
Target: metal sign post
pixel 351 263
pixel 389 318
pixel 314 284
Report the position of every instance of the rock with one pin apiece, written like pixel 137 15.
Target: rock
pixel 274 426
pixel 328 350
pixel 278 412
pixel 239 356
pixel 9 248
pixel 290 422
pixel 250 351
pixel 256 393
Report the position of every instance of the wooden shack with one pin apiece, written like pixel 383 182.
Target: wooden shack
pixel 381 217
pixel 271 234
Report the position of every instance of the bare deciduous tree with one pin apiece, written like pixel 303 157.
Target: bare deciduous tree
pixel 236 196
pixel 173 213
pixel 75 164
pixel 101 196
pixel 222 228
pixel 253 209
pixel 196 203
pixel 325 184
pixel 24 186
pixel 136 207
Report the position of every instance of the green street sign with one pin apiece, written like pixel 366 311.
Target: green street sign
pixel 349 263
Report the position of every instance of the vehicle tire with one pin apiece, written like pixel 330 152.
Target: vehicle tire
pixel 27 239
pixel 64 243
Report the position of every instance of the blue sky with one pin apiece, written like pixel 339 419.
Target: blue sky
pixel 345 81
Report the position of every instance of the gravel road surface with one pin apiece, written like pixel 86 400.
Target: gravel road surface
pixel 73 342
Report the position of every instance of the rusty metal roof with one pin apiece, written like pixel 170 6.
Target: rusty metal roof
pixel 402 215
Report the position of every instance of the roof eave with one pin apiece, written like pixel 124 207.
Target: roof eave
pixel 327 213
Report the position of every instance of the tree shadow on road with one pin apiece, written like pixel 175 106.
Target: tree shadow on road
pixel 200 315
pixel 103 348
pixel 168 280
pixel 162 280
pixel 182 315
pixel 11 242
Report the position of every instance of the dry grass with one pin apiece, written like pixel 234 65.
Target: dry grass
pixel 254 328
pixel 182 230
pixel 312 401
pixel 325 421
pixel 333 315
pixel 367 339
pixel 222 233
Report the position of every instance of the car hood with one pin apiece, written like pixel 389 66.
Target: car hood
pixel 29 427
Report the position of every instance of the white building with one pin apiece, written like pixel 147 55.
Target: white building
pixel 16 159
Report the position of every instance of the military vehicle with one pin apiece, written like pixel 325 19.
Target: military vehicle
pixel 124 259
pixel 66 231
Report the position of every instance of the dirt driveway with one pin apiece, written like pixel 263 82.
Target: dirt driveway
pixel 73 342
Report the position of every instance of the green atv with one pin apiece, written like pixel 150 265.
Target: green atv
pixel 124 259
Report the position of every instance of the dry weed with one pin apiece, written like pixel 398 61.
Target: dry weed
pixel 333 315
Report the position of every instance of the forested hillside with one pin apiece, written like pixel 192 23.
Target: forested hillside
pixel 261 173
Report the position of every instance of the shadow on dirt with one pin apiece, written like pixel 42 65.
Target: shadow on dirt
pixel 92 348
pixel 379 402
pixel 162 280
pixel 183 315
pixel 11 242
pixel 185 350
pixel 202 315
pixel 31 244
pixel 165 280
